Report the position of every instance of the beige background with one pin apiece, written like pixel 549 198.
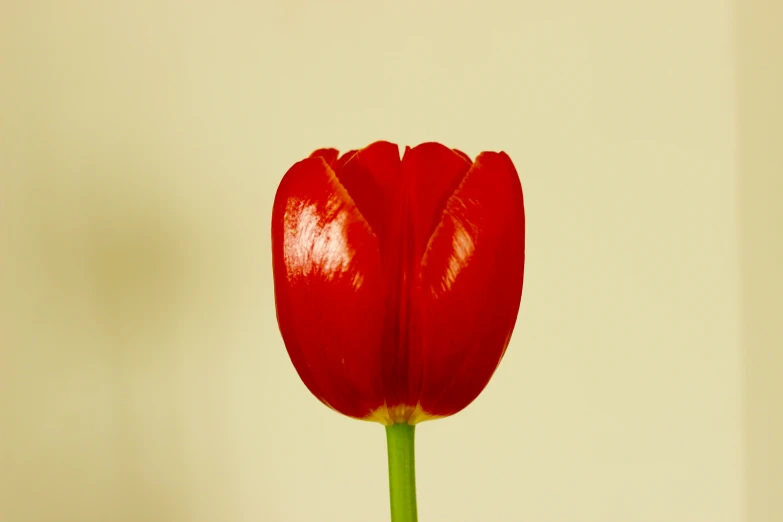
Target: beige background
pixel 142 376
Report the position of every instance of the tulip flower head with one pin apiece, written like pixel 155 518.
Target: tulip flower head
pixel 397 284
pixel 398 280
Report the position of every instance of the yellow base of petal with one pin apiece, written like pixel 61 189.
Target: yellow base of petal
pixel 400 414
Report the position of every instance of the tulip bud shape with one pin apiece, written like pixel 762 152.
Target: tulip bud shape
pixel 398 280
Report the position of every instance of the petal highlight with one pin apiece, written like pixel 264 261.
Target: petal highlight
pixel 327 274
pixel 470 286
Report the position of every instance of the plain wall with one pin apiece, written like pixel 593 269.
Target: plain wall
pixel 760 82
pixel 142 376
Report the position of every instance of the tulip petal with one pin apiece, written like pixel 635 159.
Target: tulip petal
pixel 432 173
pixel 467 158
pixel 328 279
pixel 372 178
pixel 342 160
pixel 329 155
pixel 470 286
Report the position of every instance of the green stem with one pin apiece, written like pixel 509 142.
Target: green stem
pixel 402 472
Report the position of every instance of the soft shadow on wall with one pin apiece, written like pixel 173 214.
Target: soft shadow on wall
pixel 128 355
pixel 760 84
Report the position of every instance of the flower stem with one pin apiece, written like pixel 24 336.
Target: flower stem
pixel 402 472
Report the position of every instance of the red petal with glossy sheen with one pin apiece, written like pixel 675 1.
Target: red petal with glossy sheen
pixel 327 274
pixel 470 285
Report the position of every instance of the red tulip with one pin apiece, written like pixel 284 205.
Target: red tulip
pixel 398 281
